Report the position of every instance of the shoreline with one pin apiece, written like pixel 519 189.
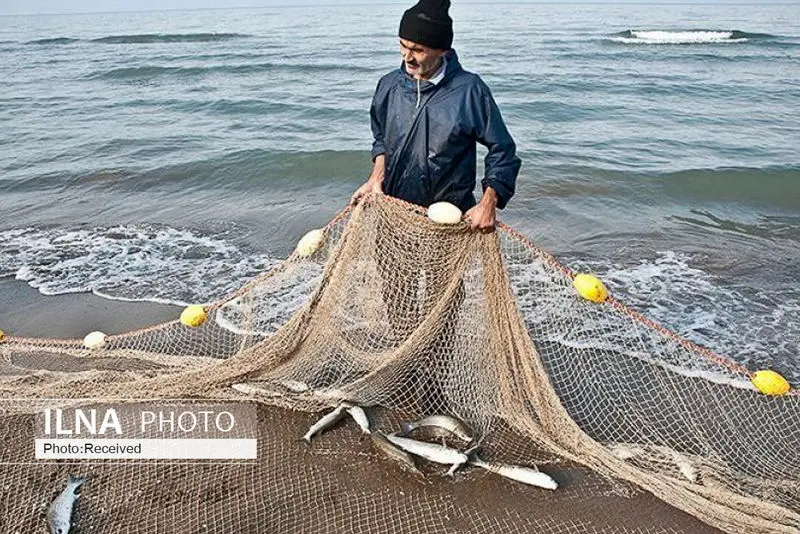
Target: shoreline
pixel 25 312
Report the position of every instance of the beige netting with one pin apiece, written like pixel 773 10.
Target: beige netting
pixel 407 317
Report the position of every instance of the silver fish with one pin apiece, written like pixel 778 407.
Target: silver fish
pixel 393 452
pixel 295 386
pixel 59 516
pixel 526 475
pixel 360 417
pixel 324 423
pixel 433 452
pixel 455 426
pixel 250 389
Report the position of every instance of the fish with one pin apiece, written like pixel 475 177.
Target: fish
pixel 249 389
pixel 359 416
pixel 393 452
pixel 59 516
pixel 440 454
pixel 295 386
pixel 625 451
pixel 455 426
pixel 526 475
pixel 324 423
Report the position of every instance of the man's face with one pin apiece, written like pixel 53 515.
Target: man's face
pixel 421 62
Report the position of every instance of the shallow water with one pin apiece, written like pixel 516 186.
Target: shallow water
pixel 171 156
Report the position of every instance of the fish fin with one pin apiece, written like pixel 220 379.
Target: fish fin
pixel 406 427
pixel 452 471
pixel 473 453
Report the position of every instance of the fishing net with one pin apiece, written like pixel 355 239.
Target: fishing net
pixel 644 431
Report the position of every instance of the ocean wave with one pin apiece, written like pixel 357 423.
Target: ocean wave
pixel 129 262
pixel 148 38
pixel 775 187
pixel 237 170
pixel 286 170
pixel 757 328
pixel 686 37
pixel 53 41
pixel 147 72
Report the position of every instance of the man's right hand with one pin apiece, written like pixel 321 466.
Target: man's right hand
pixel 372 186
pixel 375 181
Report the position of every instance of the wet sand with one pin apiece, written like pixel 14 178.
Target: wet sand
pixel 338 484
pixel 26 312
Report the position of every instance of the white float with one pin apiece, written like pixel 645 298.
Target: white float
pixel 94 340
pixel 444 213
pixel 310 243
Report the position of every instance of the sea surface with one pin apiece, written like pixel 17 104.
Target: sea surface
pixel 171 156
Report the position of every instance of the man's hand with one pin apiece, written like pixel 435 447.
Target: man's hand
pixel 371 186
pixel 374 183
pixel 482 216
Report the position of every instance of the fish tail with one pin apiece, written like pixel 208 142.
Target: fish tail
pixel 472 454
pixel 406 427
pixel 76 482
pixel 452 471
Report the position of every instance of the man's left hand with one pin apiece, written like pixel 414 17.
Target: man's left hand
pixel 482 216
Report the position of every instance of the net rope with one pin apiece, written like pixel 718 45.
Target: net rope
pixel 407 318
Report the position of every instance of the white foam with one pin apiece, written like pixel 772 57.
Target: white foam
pixel 269 305
pixel 751 330
pixel 129 263
pixel 678 37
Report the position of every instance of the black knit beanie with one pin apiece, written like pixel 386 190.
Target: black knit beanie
pixel 428 24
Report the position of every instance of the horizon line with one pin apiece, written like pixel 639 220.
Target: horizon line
pixel 404 2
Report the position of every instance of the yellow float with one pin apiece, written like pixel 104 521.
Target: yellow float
pixel 193 316
pixel 770 383
pixel 590 287
pixel 2 335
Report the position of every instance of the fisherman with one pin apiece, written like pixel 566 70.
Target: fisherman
pixel 426 119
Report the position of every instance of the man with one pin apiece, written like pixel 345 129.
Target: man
pixel 426 119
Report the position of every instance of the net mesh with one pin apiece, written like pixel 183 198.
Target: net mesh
pixel 644 431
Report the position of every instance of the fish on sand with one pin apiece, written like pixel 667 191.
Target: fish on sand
pixel 59 516
pixel 393 452
pixel 359 416
pixel 325 422
pixel 452 425
pixel 440 454
pixel 526 475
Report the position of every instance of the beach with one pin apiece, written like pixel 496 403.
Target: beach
pixel 28 313
pixel 162 159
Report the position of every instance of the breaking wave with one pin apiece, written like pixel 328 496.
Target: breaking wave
pixel 686 36
pixel 132 262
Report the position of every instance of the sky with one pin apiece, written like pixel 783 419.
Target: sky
pixel 11 7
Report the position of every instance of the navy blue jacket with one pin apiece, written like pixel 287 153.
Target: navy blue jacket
pixel 431 149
